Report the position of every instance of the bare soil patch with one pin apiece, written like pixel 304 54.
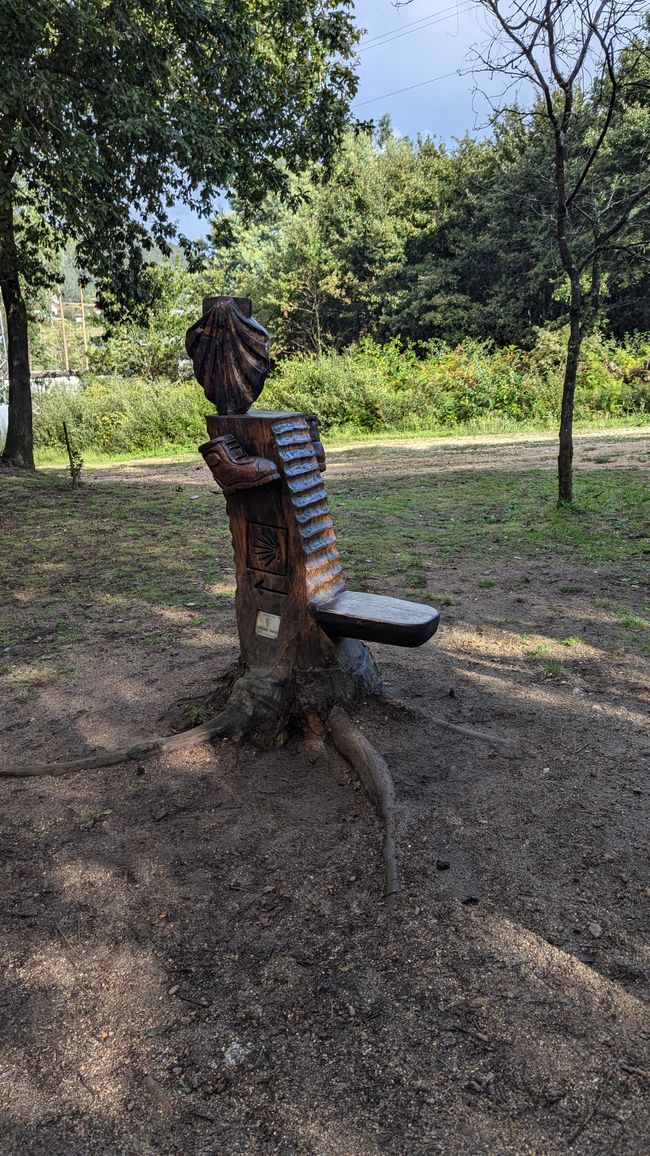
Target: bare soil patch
pixel 593 449
pixel 195 954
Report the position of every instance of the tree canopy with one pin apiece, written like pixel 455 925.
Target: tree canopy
pixel 112 111
pixel 414 239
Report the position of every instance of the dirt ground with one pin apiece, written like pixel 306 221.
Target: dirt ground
pixel 603 448
pixel 195 953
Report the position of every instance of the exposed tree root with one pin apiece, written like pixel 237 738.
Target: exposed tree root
pixel 377 780
pixel 253 702
pixel 221 726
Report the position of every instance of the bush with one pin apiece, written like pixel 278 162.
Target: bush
pixel 371 387
pixel 123 415
pixel 355 388
pixel 368 388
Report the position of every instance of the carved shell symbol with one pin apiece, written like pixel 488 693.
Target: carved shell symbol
pixel 267 547
pixel 230 354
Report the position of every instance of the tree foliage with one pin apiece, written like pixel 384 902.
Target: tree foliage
pixel 412 239
pixel 111 111
pixel 580 57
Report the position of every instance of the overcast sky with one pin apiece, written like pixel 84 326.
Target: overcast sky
pixel 407 47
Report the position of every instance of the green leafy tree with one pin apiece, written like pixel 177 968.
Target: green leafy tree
pixel 319 268
pixel 111 111
pixel 415 240
pixel 151 344
pixel 571 52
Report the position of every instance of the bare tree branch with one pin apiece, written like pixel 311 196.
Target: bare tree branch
pixel 609 64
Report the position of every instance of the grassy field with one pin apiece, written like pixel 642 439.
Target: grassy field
pixel 347 435
pixel 147 554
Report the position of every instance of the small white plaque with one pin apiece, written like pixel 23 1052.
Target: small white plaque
pixel 267 625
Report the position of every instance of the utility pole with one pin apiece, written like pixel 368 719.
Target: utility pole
pixel 66 361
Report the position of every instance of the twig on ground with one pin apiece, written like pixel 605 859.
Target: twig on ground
pixel 588 1117
pixel 468 732
pixel 465 1032
pixel 377 780
pixel 643 1073
pixel 69 944
pixel 84 1081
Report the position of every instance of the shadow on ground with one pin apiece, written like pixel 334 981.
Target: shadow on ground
pixel 195 952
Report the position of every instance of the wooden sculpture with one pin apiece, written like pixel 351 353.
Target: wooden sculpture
pixel 230 353
pixel 302 633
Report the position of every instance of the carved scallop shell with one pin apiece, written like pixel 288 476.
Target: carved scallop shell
pixel 230 354
pixel 266 546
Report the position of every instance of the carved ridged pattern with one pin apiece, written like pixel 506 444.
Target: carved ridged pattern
pixel 311 506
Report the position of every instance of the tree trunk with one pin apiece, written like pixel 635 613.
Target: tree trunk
pixel 19 448
pixel 565 456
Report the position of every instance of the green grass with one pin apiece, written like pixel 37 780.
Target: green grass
pixel 69 557
pixel 488 424
pixel 56 459
pixel 146 563
pixel 633 621
pixel 553 669
pixel 495 515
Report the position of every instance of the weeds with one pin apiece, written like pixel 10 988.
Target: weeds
pixel 553 669
pixel 75 460
pixel 633 622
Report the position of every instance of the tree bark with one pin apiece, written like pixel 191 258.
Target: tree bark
pixel 565 455
pixel 378 782
pixel 19 448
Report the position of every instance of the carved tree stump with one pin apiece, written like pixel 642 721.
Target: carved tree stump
pixel 287 562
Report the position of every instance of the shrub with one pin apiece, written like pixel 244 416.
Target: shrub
pixel 123 415
pixel 367 388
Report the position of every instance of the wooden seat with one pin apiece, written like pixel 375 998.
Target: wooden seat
pixel 376 618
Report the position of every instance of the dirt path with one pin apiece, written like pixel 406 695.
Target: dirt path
pixel 598 448
pixel 195 954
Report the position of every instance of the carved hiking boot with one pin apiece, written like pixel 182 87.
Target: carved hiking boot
pixel 233 469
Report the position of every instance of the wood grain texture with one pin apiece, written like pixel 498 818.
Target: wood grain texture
pixel 287 558
pixel 283 541
pixel 230 353
pixel 377 618
pixel 378 782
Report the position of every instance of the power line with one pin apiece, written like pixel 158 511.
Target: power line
pixel 409 88
pixel 409 32
pixel 400 28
